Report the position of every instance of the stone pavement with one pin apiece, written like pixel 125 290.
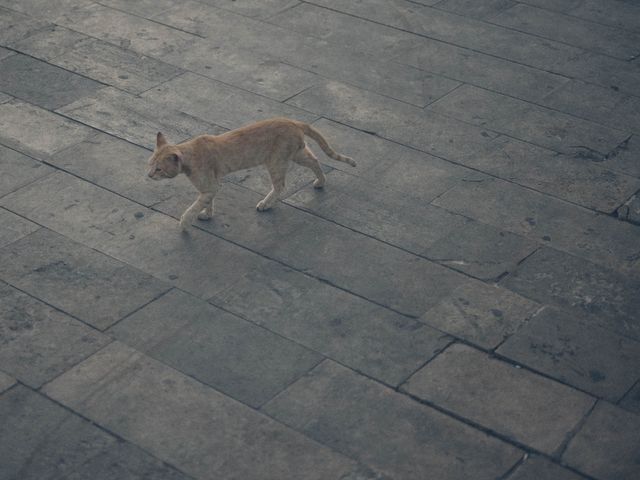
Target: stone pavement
pixel 463 305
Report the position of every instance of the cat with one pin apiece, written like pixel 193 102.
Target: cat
pixel 206 159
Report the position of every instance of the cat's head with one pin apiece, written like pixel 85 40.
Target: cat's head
pixel 166 161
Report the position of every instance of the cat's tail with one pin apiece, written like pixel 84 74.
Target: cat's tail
pixel 311 132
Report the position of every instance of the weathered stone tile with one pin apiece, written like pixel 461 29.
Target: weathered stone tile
pixel 481 314
pixel 624 157
pixel 46 10
pixel 253 8
pixel 38 342
pixel 14 227
pixel 542 126
pixel 539 468
pixel 93 287
pixel 624 14
pixel 576 352
pixel 480 250
pixel 116 66
pixel 18 170
pixel 43 84
pixel 631 400
pixel 607 445
pixel 15 26
pixel 465 381
pixel 49 442
pixel 357 333
pixel 580 33
pixel 556 5
pixel 357 417
pixel 598 238
pixel 221 104
pixel 181 421
pixel 50 42
pixel 234 356
pixel 142 8
pixel 118 166
pixel 475 9
pixel 378 211
pixel 19 121
pixel 136 119
pixel 6 382
pixel 555 278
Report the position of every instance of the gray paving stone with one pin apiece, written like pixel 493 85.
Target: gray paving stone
pixel 14 227
pixel 46 10
pixel 480 250
pixel 598 238
pixel 15 26
pixel 50 42
pixel 19 121
pixel 624 157
pixel 136 119
pixel 181 421
pixel 18 170
pixel 555 278
pixel 118 166
pixel 378 211
pixel 4 53
pixel 576 352
pixel 526 121
pixel 539 468
pixel 465 381
pixel 232 355
pixel 607 445
pixel 38 342
pixel 573 31
pixel 42 84
pixel 55 443
pixel 358 417
pixel 86 284
pixel 142 8
pixel 616 14
pixel 116 66
pixel 631 400
pixel 6 382
pixel 471 8
pixel 481 314
pixel 253 8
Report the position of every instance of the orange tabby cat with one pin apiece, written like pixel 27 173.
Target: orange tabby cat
pixel 205 159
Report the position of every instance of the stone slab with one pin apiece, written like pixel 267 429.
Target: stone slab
pixel 181 421
pixel 234 356
pixel 42 84
pixel 14 227
pixel 44 440
pixel 624 14
pixel 357 417
pixel 482 314
pixel 84 283
pixel 39 343
pixel 47 10
pixel 50 42
pixel 631 400
pixel 18 170
pixel 15 26
pixel 141 8
pixel 607 445
pixel 555 278
pixel 624 157
pixel 539 468
pixel 471 8
pixel 465 381
pixel 6 382
pixel 576 352
pixel 253 8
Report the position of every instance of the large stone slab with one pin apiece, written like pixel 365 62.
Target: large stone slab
pixel 616 14
pixel 14 227
pixel 555 278
pixel 179 420
pixel 44 440
pixel 598 238
pixel 576 352
pixel 136 119
pixel 607 445
pixel 481 314
pixel 84 283
pixel 43 84
pixel 539 468
pixel 15 26
pixel 47 10
pixel 357 417
pixel 38 342
pixel 236 357
pixel 523 120
pixel 465 381
pixel 50 42
pixel 18 170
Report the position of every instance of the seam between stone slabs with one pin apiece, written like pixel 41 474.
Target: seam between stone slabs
pixel 14 385
pixel 268 17
pixel 26 184
pixel 509 472
pixel 627 392
pixel 521 325
pixel 559 452
pixel 157 297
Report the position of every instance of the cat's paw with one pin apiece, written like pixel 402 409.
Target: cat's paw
pixel 262 206
pixel 317 183
pixel 204 216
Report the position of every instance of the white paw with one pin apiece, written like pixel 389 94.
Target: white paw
pixel 262 206
pixel 318 183
pixel 204 216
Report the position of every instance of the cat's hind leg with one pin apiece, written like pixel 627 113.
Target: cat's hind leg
pixel 277 173
pixel 306 158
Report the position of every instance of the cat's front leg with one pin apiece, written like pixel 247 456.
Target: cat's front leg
pixel 190 214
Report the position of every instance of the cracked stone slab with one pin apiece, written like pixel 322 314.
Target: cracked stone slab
pixel 39 343
pixel 482 314
pixel 538 468
pixel 14 227
pixel 181 421
pixel 576 352
pixel 56 443
pixel 598 238
pixel 555 278
pixel 526 121
pixel 18 170
pixel 234 356
pixel 84 283
pixel 357 416
pixel 6 382
pixel 480 250
pixel 607 445
pixel 465 381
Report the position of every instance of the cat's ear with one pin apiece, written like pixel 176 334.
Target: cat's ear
pixel 160 140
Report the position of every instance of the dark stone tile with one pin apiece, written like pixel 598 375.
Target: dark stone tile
pixel 465 381
pixel 18 170
pixel 357 417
